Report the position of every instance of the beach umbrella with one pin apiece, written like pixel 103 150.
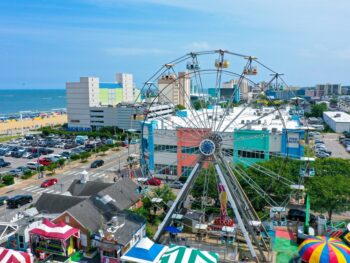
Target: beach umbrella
pixel 324 250
pixel 179 254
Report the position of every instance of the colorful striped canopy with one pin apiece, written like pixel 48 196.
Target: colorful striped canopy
pixel 324 250
pixel 179 254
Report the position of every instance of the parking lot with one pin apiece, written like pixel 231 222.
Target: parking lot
pixel 332 142
pixel 26 146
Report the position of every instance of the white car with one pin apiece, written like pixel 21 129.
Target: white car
pixel 348 148
pixel 33 165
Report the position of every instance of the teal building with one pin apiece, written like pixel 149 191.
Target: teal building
pixel 250 146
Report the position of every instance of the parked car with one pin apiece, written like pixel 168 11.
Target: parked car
pixel 15 172
pixel 322 155
pixel 19 200
pixel 27 155
pixel 17 154
pixel 3 199
pixel 23 168
pixel 45 161
pixel 97 163
pixel 65 154
pixel 299 215
pixel 153 181
pixel 49 182
pixel 33 165
pixel 176 184
pixel 4 164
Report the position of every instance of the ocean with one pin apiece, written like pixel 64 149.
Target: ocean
pixel 13 101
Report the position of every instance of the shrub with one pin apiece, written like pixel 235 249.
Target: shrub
pixel 8 180
pixel 27 175
pixel 75 157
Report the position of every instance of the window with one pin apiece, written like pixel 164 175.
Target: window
pixel 186 171
pixel 190 150
pixel 75 121
pixel 251 154
pixel 67 219
pixel 165 169
pixel 165 148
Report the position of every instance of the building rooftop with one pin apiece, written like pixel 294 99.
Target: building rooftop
pixel 338 116
pixel 267 118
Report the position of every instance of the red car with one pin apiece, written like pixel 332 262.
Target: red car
pixel 49 182
pixel 153 181
pixel 44 161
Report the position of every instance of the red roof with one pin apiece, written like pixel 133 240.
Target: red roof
pixel 13 256
pixel 57 231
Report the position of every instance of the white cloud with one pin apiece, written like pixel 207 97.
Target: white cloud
pixel 198 45
pixel 134 51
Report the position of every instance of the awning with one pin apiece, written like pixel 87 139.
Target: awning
pixel 13 256
pixel 57 231
pixel 144 251
pixel 173 230
pixel 179 254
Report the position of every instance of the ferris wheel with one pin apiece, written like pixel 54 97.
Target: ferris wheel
pixel 218 112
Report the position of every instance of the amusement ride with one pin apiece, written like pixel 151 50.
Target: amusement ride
pixel 208 125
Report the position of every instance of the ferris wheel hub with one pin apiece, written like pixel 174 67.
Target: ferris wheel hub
pixel 210 145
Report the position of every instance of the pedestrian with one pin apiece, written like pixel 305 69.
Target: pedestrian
pixel 140 189
pixel 115 179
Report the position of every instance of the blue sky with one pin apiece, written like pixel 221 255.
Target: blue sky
pixel 45 43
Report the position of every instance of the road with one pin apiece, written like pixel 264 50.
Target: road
pixel 73 171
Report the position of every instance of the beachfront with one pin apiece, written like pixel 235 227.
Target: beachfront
pixel 17 126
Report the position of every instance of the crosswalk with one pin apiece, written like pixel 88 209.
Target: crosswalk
pixel 93 175
pixel 36 189
pixel 39 190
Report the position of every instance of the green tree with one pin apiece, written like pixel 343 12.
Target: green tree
pixel 165 193
pixel 84 156
pixel 179 107
pixel 330 193
pixel 318 109
pixel 206 176
pixel 8 180
pixel 52 168
pixel 61 162
pixel 200 104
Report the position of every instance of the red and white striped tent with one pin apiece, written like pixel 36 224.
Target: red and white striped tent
pixel 13 256
pixel 60 231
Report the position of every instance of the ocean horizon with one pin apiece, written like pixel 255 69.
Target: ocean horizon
pixel 15 100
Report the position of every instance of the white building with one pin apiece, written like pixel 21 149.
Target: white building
pixel 175 89
pixel 338 121
pixel 80 97
pixel 127 82
pixel 127 116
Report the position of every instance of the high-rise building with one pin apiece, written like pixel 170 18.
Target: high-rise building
pixel 80 97
pixel 174 89
pixel 127 82
pixel 328 90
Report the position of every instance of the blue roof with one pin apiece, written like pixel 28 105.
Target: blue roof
pixel 107 85
pixel 145 254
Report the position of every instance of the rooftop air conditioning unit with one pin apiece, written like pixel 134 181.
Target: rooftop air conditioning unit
pixel 274 130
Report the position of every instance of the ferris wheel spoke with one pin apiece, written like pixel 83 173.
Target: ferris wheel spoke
pixel 198 79
pixel 219 63
pixel 234 119
pixel 229 103
pixel 254 186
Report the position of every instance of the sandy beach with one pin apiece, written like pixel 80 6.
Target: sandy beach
pixel 13 127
